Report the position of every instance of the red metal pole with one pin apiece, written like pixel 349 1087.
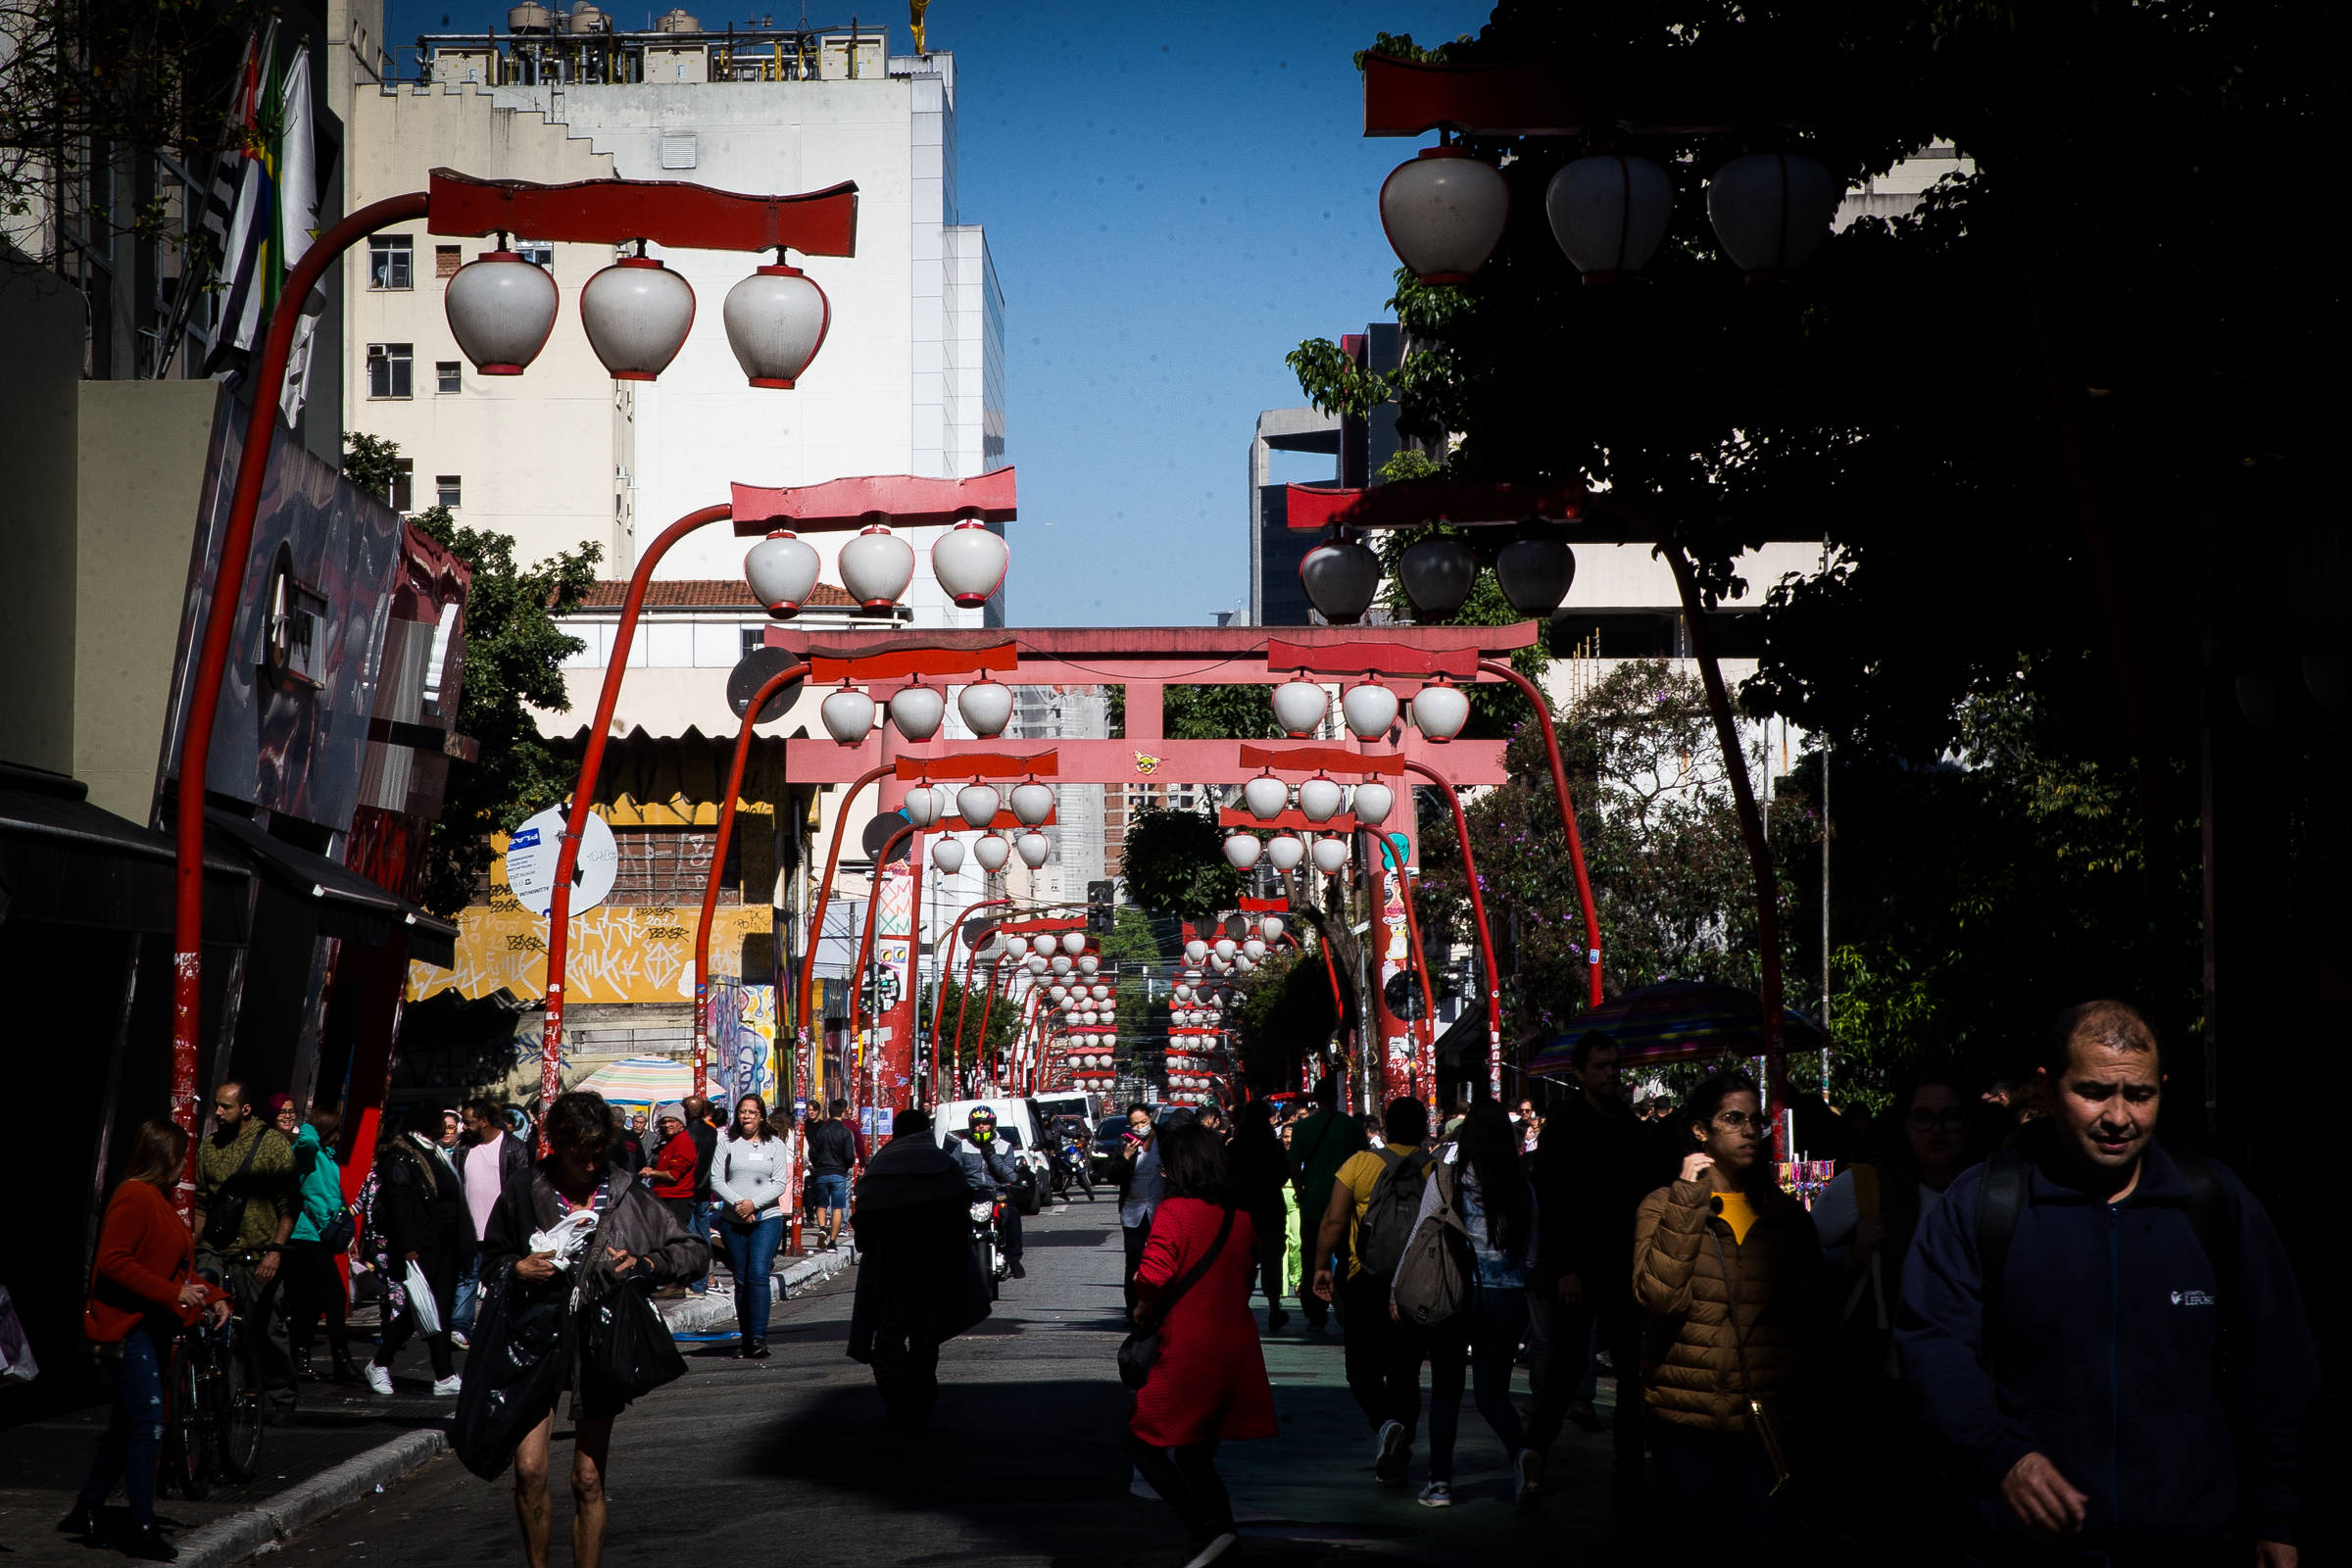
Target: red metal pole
pixel 1559 786
pixel 718 859
pixel 816 918
pixel 583 792
pixel 1486 937
pixel 217 619
pixel 865 947
pixel 1412 928
pixel 947 967
pixel 988 1000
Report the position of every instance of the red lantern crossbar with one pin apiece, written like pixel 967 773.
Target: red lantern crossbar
pixel 1371 658
pixel 1292 820
pixel 667 212
pixel 1418 502
pixel 979 764
pixel 1321 759
pixel 910 501
pixel 927 658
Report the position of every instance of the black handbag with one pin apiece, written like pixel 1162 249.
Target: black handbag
pixel 628 1350
pixel 1140 1347
pixel 513 1374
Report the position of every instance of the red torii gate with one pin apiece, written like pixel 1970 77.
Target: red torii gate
pixel 1145 660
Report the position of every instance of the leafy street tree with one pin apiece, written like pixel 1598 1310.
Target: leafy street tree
pixel 979 1048
pixel 514 652
pixel 1175 864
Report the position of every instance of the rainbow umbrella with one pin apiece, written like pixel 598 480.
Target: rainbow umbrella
pixel 1681 1020
pixel 641 1081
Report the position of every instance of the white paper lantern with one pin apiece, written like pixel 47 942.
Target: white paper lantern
pixel 1609 211
pixel 1770 210
pixel 1373 803
pixel 1339 576
pixel 1035 849
pixel 986 706
pixel 1102 992
pixel 1437 571
pixel 977 804
pixel 1443 211
pixel 876 566
pixel 1087 963
pixel 637 312
pixel 1226 947
pixel 991 851
pixel 1057 993
pixel 781 570
pixel 1299 707
pixel 847 716
pixel 1271 928
pixel 1535 572
pixel 1059 964
pixel 1285 851
pixel 776 321
pixel 1370 709
pixel 1017 945
pixel 969 562
pixel 501 310
pixel 948 855
pixel 1073 942
pixel 1254 948
pixel 1244 964
pixel 917 710
pixel 1331 856
pixel 1266 796
pixel 1242 850
pixel 1195 950
pixel 1320 799
pixel 1440 711
pixel 1032 803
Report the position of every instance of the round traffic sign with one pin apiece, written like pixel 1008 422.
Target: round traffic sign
pixel 753 671
pixel 531 863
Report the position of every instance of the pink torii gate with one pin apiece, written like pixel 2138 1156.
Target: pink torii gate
pixel 1145 660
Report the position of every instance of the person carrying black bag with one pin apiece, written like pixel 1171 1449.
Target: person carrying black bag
pixel 579 1319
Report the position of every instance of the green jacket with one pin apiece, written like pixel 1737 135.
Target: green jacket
pixel 1319 1146
pixel 321 1184
pixel 271 1187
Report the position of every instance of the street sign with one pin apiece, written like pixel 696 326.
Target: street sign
pixel 751 672
pixel 531 863
pixel 1402 994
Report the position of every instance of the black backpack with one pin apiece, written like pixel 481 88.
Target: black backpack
pixel 1387 1227
pixel 2007 1190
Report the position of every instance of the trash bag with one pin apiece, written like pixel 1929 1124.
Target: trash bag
pixel 515 1372
pixel 626 1350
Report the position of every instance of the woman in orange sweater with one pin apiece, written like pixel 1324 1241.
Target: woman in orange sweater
pixel 142 1292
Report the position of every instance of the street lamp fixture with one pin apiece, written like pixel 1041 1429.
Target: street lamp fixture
pixel 917 710
pixel 1320 799
pixel 1266 796
pixel 1370 709
pixel 1032 803
pixel 1340 575
pixel 876 566
pixel 1242 850
pixel 1608 212
pixel 947 855
pixel 1087 963
pixel 1443 211
pixel 1073 942
pixel 922 805
pixel 1770 210
pixel 1330 856
pixel 1270 928
pixel 776 321
pixel 1034 848
pixel 637 312
pixel 969 562
pixel 847 716
pixel 1534 569
pixel 1440 711
pixel 1285 851
pixel 986 706
pixel 781 569
pixel 501 310
pixel 992 851
pixel 1195 950
pixel 1374 801
pixel 1299 707
pixel 978 805
pixel 1437 571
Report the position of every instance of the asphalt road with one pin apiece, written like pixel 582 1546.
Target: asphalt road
pixel 786 1459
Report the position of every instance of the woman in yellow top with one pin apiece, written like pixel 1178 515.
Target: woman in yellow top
pixel 1728 1267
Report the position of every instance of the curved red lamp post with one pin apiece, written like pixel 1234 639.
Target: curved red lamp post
pixel 605 211
pixel 718 859
pixel 1412 928
pixel 817 924
pixel 1559 786
pixel 1486 937
pixel 963 992
pixel 873 907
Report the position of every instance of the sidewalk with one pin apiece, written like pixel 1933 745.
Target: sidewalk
pixel 343 1445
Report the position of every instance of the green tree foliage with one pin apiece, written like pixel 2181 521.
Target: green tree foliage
pixel 1175 864
pixel 1205 712
pixel 1286 1013
pixel 979 1047
pixel 514 651
pixel 1669 869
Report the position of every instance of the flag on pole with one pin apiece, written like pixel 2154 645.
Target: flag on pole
pixel 297 183
pixel 242 231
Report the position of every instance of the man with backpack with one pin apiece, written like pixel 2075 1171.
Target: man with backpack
pixel 1374 1203
pixel 2106 1331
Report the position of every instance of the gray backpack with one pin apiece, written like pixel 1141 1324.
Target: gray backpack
pixel 1389 1217
pixel 1433 1278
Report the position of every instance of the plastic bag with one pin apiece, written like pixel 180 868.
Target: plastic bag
pixel 629 1351
pixel 567 1237
pixel 421 1299
pixel 513 1374
pixel 15 1352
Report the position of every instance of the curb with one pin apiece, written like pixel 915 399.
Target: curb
pixel 257 1529
pixel 715 1312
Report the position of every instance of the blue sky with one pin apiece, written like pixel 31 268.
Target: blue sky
pixel 1174 197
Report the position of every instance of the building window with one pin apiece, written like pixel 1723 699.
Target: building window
pixel 388 262
pixel 537 252
pixel 449 376
pixel 755 638
pixel 404 484
pixel 390 367
pixel 447 259
pixel 448 492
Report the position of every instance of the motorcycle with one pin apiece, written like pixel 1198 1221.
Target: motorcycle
pixel 988 1230
pixel 1072 1167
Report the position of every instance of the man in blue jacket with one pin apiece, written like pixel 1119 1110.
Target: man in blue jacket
pixel 2107 1331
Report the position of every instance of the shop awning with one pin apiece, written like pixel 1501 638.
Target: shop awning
pixel 349 905
pixel 63 861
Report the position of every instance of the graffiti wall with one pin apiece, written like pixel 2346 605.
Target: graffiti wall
pixel 619 952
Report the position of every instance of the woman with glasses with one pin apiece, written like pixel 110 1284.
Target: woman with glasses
pixel 750 1175
pixel 1728 1268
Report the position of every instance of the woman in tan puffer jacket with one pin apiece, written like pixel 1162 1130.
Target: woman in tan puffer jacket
pixel 1723 1236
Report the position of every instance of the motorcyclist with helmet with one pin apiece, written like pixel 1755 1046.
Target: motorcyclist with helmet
pixel 988 1169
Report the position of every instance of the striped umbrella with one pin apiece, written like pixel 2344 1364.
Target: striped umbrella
pixel 1681 1020
pixel 641 1081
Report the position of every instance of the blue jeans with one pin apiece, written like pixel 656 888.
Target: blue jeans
pixel 470 1293
pixel 1480 1339
pixel 1715 1490
pixel 134 1445
pixel 831 1188
pixel 705 1212
pixel 752 1254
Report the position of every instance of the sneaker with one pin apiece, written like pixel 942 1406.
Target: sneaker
pixel 446 1387
pixel 1212 1551
pixel 1529 1465
pixel 1396 1448
pixel 378 1379
pixel 1436 1494
pixel 459 1341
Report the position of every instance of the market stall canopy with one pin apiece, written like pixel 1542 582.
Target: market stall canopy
pixel 349 905
pixel 1681 1020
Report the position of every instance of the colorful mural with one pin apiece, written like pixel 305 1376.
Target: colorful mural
pixel 619 952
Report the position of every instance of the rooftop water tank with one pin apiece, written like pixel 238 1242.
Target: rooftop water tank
pixel 587 17
pixel 677 22
pixel 530 17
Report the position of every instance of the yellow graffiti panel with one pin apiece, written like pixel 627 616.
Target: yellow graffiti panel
pixel 618 952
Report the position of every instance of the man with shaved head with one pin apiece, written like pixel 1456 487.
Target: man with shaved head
pixel 2106 1331
pixel 248 1196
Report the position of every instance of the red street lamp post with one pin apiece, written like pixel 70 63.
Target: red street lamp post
pixel 718 859
pixel 1486 937
pixel 1412 927
pixel 1560 790
pixel 816 922
pixel 603 211
pixel 946 965
pixel 873 906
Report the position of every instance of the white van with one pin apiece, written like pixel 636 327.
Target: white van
pixel 1017 1124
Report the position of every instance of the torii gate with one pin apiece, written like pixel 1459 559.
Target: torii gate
pixel 1145 660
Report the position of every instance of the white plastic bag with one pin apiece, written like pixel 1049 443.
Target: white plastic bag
pixel 16 1354
pixel 567 1237
pixel 421 1299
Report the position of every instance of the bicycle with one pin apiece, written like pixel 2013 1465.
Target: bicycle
pixel 212 1411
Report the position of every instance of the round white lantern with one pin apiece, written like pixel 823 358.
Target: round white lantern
pixel 917 710
pixel 1073 942
pixel 1285 851
pixel 1254 948
pixel 969 562
pixel 1339 576
pixel 1057 993
pixel 1087 963
pixel 1320 799
pixel 1443 211
pixel 1370 709
pixel 637 312
pixel 1331 856
pixel 1195 950
pixel 1032 803
pixel 876 566
pixel 1035 849
pixel 947 855
pixel 1299 707
pixel 921 806
pixel 1608 211
pixel 1266 796
pixel 991 851
pixel 986 706
pixel 1438 572
pixel 500 309
pixel 1226 947
pixel 781 570
pixel 1373 803
pixel 1770 210
pixel 1058 964
pixel 1441 710
pixel 1535 572
pixel 1242 850
pixel 1035 963
pixel 1018 947
pixel 848 714
pixel 776 321
pixel 977 804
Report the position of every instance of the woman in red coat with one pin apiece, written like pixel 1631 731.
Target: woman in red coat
pixel 142 1292
pixel 1209 1381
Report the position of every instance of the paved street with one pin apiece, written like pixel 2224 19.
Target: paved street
pixel 1023 1463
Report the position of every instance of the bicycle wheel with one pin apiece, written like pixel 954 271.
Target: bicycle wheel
pixel 186 1466
pixel 237 1394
